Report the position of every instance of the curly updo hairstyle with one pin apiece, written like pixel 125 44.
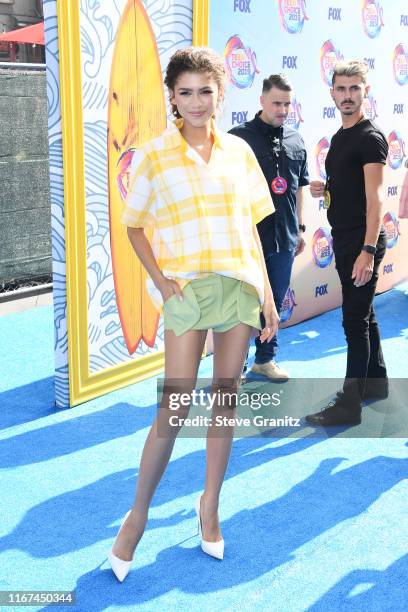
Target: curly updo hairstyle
pixel 195 59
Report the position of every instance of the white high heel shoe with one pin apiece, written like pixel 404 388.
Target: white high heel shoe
pixel 119 567
pixel 214 549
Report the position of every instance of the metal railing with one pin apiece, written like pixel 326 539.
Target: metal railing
pixel 21 66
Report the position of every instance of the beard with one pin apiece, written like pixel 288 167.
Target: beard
pixel 348 108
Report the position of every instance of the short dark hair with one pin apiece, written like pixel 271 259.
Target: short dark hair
pixel 280 81
pixel 195 59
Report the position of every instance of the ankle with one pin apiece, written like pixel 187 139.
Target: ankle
pixel 209 503
pixel 137 520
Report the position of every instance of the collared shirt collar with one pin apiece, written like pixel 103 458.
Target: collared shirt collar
pixel 265 127
pixel 173 138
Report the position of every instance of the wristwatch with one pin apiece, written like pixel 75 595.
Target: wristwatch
pixel 302 227
pixel 369 248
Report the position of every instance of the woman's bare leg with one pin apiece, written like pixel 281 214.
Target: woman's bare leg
pixel 182 359
pixel 230 349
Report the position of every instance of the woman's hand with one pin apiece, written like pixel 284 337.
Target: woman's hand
pixel 271 320
pixel 168 287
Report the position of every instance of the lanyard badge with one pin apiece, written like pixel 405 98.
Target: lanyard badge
pixel 279 184
pixel 326 195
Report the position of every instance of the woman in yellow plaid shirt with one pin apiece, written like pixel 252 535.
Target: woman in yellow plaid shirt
pixel 203 192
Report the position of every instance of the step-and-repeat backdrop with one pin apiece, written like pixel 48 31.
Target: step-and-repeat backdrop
pixel 105 62
pixel 304 40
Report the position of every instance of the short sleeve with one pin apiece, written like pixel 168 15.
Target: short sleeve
pixel 374 149
pixel 261 200
pixel 139 203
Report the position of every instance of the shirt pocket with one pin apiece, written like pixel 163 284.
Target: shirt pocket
pixel 294 162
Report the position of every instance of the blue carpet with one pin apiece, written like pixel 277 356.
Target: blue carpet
pixel 310 523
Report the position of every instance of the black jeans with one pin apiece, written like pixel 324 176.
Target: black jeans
pixel 364 355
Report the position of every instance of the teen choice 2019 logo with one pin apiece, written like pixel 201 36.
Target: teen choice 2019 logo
pixel 372 17
pixel 322 247
pixel 122 178
pixel 329 55
pixel 400 64
pixel 294 118
pixel 288 305
pixel 292 15
pixel 391 225
pixel 396 150
pixel 322 148
pixel 240 63
pixel 370 107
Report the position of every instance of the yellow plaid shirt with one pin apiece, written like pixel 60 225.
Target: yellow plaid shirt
pixel 202 213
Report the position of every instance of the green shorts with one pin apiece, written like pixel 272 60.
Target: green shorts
pixel 213 302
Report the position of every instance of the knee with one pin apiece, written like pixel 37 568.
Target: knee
pixel 225 392
pixel 176 396
pixel 227 385
pixel 354 326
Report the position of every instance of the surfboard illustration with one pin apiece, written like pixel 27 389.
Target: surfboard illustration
pixel 136 113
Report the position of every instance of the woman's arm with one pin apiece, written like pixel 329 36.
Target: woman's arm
pixel 143 250
pixel 268 308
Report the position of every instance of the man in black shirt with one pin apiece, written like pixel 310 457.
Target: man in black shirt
pixel 281 154
pixel 352 196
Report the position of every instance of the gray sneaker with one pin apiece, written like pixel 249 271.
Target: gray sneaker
pixel 271 370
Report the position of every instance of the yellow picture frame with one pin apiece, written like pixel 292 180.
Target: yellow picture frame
pixel 84 385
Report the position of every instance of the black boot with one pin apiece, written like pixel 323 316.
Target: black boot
pixel 376 388
pixel 339 411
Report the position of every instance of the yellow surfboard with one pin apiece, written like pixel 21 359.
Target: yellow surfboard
pixel 136 113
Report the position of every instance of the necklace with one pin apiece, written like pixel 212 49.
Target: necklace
pixel 201 145
pixel 354 124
